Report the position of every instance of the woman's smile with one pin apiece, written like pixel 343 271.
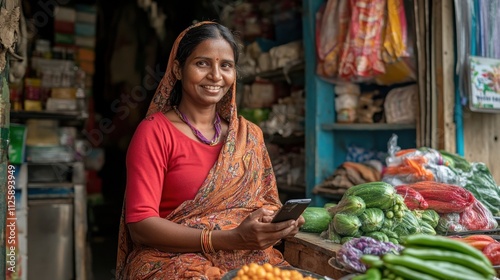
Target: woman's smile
pixel 212 89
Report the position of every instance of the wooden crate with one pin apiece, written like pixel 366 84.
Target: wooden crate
pixel 311 252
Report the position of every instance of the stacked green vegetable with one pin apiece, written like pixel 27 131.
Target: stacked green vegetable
pixel 429 257
pixel 376 210
pixel 316 219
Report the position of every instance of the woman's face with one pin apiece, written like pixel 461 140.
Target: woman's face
pixel 208 73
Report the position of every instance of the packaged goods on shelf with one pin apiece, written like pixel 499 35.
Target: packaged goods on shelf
pixel 17 143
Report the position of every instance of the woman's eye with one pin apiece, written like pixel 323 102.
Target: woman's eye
pixel 227 65
pixel 201 63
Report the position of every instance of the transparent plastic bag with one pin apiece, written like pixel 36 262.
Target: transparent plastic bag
pixel 477 217
pixel 449 223
pixel 414 165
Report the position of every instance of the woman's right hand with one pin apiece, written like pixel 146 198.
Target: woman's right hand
pixel 256 232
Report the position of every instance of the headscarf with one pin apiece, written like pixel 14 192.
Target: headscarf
pixel 240 182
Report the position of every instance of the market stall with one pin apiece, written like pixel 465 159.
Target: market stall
pixel 429 208
pixel 421 194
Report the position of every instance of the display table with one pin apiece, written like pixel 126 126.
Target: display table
pixel 311 252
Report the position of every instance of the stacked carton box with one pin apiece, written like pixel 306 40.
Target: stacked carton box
pixel 85 37
pixel 64 26
pixel 75 32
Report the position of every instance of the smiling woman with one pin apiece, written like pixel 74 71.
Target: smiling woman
pixel 206 77
pixel 201 192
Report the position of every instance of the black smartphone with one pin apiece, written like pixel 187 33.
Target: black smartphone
pixel 291 210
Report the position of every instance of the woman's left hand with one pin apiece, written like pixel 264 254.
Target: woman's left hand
pixel 298 223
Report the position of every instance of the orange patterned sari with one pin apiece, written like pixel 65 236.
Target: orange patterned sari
pixel 240 182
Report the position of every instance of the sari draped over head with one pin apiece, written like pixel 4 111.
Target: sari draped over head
pixel 240 182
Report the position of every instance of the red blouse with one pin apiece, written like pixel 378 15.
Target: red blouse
pixel 164 168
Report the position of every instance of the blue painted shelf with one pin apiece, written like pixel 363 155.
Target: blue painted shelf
pixel 367 126
pixel 327 142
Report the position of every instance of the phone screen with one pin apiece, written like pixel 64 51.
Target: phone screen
pixel 291 210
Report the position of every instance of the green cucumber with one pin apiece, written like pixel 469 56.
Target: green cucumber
pixel 439 269
pixel 452 257
pixel 441 242
pixel 372 260
pixel 316 219
pixel 408 273
pixel 375 194
pixel 370 274
pixel 352 204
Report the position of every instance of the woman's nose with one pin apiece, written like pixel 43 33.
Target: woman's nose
pixel 215 74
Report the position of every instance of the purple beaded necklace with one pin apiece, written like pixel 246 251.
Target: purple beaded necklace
pixel 197 133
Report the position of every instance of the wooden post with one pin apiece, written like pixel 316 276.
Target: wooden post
pixel 445 137
pixel 4 145
pixel 4 149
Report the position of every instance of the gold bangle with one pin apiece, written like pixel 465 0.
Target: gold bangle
pixel 203 240
pixel 211 247
pixel 206 241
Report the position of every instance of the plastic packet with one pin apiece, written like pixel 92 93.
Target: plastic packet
pixel 395 31
pixel 411 170
pixel 361 52
pixel 412 198
pixel 449 223
pixel 444 198
pixel 444 174
pixel 477 217
pixel 332 21
pixel 392 149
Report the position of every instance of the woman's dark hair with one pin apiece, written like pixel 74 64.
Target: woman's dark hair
pixel 191 40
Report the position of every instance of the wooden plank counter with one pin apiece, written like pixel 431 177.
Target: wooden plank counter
pixel 311 252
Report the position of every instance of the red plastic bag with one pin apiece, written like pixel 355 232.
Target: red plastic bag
pixel 492 252
pixel 413 199
pixel 444 198
pixel 477 217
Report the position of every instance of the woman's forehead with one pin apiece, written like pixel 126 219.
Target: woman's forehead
pixel 214 48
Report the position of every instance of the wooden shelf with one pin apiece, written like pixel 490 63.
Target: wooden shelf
pixel 30 163
pixel 367 126
pixel 331 196
pixel 291 140
pixel 280 73
pixel 59 115
pixel 284 187
pixel 51 185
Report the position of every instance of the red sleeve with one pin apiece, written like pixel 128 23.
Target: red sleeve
pixel 146 167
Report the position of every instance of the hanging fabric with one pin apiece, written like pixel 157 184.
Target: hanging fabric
pixel 360 40
pixel 333 22
pixel 361 55
pixel 395 32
